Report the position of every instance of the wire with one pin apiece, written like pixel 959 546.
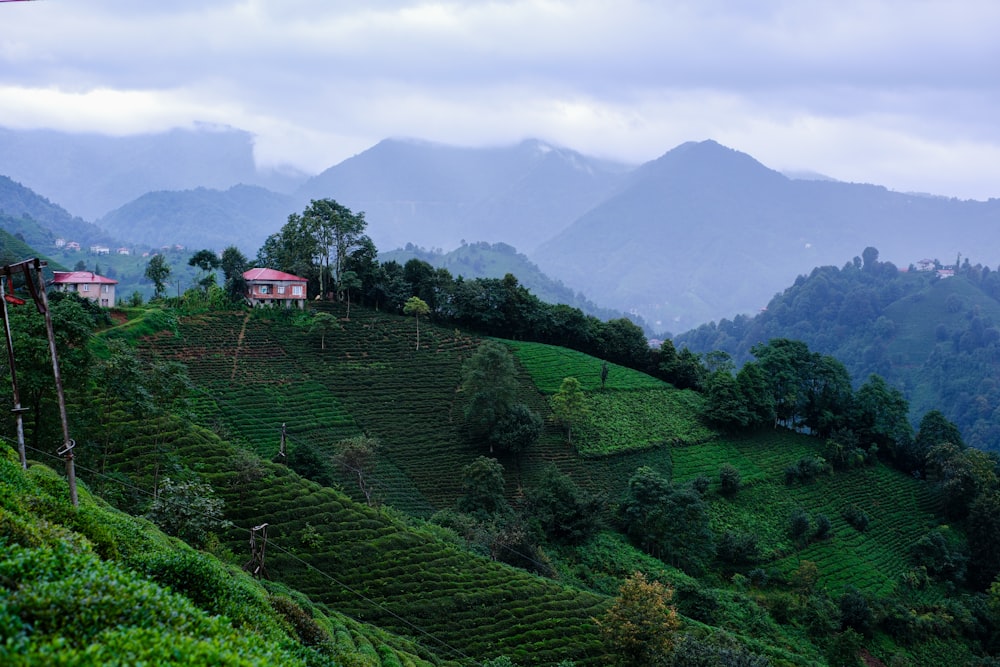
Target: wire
pixel 271 543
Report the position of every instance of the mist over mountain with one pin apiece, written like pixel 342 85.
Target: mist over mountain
pixel 701 233
pixel 436 196
pixel 92 174
pixel 706 232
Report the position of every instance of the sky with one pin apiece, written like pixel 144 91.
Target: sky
pixel 901 93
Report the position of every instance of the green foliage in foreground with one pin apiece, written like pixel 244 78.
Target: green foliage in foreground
pixel 94 586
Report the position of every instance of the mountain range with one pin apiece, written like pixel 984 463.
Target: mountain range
pixel 702 233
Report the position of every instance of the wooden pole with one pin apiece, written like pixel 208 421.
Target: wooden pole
pixel 18 410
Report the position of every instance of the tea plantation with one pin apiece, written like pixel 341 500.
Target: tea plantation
pixel 391 582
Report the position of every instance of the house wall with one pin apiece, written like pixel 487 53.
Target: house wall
pixel 275 292
pixel 103 294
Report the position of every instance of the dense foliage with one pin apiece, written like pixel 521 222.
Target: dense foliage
pixel 935 339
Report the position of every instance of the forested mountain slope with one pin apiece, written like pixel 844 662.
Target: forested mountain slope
pixel 706 232
pixel 201 218
pixel 936 339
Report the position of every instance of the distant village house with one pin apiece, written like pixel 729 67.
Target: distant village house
pixel 88 285
pixel 268 287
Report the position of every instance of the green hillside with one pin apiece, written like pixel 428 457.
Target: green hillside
pixel 95 586
pixel 446 587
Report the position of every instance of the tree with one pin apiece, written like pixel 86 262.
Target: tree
pixel 982 528
pixel 416 306
pixel 561 509
pixel 881 416
pixel 336 231
pixel 517 430
pixel 934 430
pixel 668 523
pixel 730 479
pixel 641 624
pixel 483 487
pixel 322 324
pixel 489 381
pixel 725 404
pixel 234 264
pixel 349 281
pixel 157 272
pixel 359 455
pixel 570 406
pixel 799 524
pixel 72 324
pixel 188 510
pixel 206 261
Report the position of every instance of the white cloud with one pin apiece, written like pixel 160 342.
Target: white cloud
pixel 894 92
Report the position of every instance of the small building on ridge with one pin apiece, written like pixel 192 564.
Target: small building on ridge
pixel 88 285
pixel 269 287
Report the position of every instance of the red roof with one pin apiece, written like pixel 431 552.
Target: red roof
pixel 270 274
pixel 80 277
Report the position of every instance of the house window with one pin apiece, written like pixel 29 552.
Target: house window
pixel 84 288
pixel 296 290
pixel 281 289
pixel 104 289
pixel 265 289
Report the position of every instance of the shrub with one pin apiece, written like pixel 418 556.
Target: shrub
pixel 856 516
pixel 730 479
pixel 823 527
pixel 798 523
pixel 188 510
pixel 737 548
pixel 701 484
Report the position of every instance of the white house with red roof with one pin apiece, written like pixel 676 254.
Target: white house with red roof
pixel 269 287
pixel 87 284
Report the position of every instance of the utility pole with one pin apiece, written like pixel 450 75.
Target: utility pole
pixel 35 281
pixel 281 449
pixel 255 565
pixel 18 410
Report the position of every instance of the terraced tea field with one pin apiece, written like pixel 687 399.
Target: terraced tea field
pixel 549 365
pixel 901 509
pixel 375 569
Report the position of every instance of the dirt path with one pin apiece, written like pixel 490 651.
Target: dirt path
pixel 239 344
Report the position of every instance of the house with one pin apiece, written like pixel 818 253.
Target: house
pixel 87 284
pixel 269 287
pixel 100 250
pixel 73 246
pixel 123 251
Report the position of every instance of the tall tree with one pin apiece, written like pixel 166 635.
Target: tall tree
pixel 358 456
pixel 322 324
pixel 416 306
pixel 641 624
pixel 516 431
pixel 337 232
pixel 234 264
pixel 489 382
pixel 157 272
pixel 483 487
pixel 207 261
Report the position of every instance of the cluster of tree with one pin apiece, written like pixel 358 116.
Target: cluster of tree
pixel 857 313
pixel 554 510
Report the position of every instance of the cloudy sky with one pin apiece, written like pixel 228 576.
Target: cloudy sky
pixel 903 93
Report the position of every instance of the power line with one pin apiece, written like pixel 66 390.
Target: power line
pixel 358 594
